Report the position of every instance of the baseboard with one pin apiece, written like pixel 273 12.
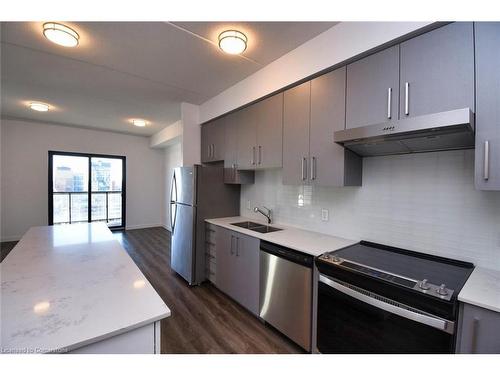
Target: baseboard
pixel 10 238
pixel 167 227
pixel 143 226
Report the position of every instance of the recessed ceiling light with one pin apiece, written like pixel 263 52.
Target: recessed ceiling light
pixel 40 107
pixel 60 34
pixel 139 122
pixel 232 42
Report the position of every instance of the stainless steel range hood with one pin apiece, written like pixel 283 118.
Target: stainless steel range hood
pixel 440 131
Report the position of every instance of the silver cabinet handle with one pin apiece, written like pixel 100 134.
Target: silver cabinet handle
pixel 260 155
pixel 389 102
pixel 231 247
pixel 304 169
pixel 237 246
pixel 213 150
pixel 486 166
pixel 475 329
pixel 313 167
pixel 407 98
pixel 253 155
pixel 391 306
pixel 209 151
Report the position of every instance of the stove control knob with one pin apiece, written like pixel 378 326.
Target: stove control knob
pixel 423 284
pixel 326 256
pixel 335 259
pixel 442 291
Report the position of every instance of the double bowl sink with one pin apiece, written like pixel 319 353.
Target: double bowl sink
pixel 256 227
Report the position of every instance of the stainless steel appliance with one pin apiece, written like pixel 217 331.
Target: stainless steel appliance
pixel 286 291
pixel 379 299
pixel 439 131
pixel 197 193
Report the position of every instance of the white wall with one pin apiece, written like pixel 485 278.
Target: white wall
pixel 337 44
pixel 172 159
pixel 424 202
pixel 191 134
pixel 24 163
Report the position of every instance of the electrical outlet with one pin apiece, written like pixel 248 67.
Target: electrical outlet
pixel 249 205
pixel 324 214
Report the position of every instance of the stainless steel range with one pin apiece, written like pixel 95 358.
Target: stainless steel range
pixel 379 299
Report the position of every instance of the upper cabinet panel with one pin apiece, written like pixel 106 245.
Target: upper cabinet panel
pixel 437 71
pixel 213 141
pixel 487 106
pixel 373 89
pixel 270 132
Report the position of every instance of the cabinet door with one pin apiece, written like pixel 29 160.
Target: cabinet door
pixel 206 142
pixel 247 139
pixel 270 132
pixel 218 139
pixel 225 242
pixel 330 162
pixel 478 332
pixel 231 140
pixel 373 89
pixel 439 69
pixel 296 118
pixel 487 161
pixel 246 280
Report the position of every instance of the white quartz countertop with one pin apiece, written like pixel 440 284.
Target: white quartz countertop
pixel 305 241
pixel 482 289
pixel 67 286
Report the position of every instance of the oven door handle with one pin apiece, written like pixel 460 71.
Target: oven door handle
pixel 394 307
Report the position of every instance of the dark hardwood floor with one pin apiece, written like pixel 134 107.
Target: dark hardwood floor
pixel 203 320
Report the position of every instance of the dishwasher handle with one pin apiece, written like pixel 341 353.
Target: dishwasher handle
pixel 288 254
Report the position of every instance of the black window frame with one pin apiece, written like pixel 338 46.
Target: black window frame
pixel 89 192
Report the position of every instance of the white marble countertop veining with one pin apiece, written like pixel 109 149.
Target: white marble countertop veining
pixel 305 241
pixel 67 286
pixel 482 289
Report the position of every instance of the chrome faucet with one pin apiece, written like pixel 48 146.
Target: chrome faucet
pixel 267 215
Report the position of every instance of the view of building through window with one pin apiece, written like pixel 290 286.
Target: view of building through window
pixel 70 184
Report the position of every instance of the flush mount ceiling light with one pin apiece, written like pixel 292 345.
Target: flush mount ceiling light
pixel 139 122
pixel 40 107
pixel 232 42
pixel 60 34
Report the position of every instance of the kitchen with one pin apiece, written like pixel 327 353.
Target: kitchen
pixel 289 201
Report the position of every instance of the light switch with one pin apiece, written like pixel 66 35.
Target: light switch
pixel 324 214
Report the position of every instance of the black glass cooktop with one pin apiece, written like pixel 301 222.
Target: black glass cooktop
pixel 409 264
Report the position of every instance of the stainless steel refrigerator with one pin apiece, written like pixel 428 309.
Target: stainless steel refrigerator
pixel 197 193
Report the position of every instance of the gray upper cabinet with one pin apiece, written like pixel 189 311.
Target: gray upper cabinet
pixel 373 89
pixel 247 139
pixel 237 267
pixel 329 163
pixel 478 331
pixel 437 71
pixel 487 160
pixel 213 141
pixel 296 118
pixel 269 127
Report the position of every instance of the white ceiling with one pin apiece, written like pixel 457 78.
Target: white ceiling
pixel 124 70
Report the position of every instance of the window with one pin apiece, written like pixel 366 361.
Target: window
pixel 86 188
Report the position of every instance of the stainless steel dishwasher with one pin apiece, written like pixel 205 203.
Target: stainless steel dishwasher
pixel 286 291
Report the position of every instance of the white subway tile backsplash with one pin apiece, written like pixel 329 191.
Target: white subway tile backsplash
pixel 424 202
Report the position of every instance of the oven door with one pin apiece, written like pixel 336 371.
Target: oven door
pixel 353 320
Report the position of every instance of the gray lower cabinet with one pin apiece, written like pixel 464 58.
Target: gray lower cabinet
pixel 372 93
pixel 487 160
pixel 312 112
pixel 478 331
pixel 437 71
pixel 237 267
pixel 213 141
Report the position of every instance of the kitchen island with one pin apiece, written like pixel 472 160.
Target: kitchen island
pixel 73 288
